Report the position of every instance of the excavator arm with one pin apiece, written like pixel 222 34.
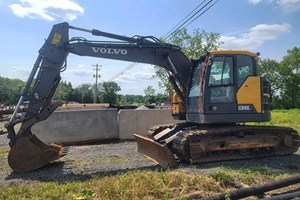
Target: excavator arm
pixel 27 151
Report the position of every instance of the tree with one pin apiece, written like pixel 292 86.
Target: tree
pixel 284 79
pixel 64 91
pixel 86 93
pixel 10 90
pixel 161 98
pixel 270 69
pixel 108 92
pixel 149 94
pixel 130 99
pixel 192 45
pixel 290 79
pixel 149 91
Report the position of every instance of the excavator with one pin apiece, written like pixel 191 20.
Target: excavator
pixel 214 96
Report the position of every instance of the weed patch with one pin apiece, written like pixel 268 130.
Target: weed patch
pixel 140 185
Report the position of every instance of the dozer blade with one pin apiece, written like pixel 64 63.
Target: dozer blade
pixel 29 153
pixel 161 154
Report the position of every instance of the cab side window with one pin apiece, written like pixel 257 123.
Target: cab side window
pixel 244 68
pixel 195 85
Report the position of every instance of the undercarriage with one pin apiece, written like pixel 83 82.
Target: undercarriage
pixel 195 143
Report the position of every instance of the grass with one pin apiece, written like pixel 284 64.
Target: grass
pixel 150 184
pixel 142 185
pixel 4 152
pixel 289 118
pixel 147 184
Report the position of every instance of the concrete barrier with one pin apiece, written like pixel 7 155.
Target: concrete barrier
pixel 78 126
pixel 139 121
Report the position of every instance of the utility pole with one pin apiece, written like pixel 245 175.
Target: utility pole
pixel 97 69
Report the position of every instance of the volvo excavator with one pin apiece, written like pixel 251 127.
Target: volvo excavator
pixel 215 95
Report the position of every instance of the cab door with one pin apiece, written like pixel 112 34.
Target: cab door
pixel 220 95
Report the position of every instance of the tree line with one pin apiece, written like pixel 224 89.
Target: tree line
pixel 84 93
pixel 283 76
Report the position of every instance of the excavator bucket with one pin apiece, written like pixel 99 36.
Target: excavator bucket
pixel 157 152
pixel 29 153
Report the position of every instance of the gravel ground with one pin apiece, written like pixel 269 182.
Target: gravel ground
pixel 87 161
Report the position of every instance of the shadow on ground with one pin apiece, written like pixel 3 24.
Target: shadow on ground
pixel 55 172
pixel 59 172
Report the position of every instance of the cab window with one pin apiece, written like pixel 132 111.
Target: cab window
pixel 195 84
pixel 244 68
pixel 221 71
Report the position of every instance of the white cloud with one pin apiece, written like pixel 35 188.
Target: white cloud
pixel 145 72
pixel 254 2
pixel 22 70
pixel 81 70
pixel 287 6
pixel 255 37
pixel 49 10
pixel 137 79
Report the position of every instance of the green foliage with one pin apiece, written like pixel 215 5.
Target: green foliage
pixel 82 93
pixel 85 92
pixel 149 95
pixel 192 45
pixel 10 90
pixel 284 78
pixel 290 80
pixel 149 91
pixel 161 98
pixel 63 91
pixel 196 44
pixel 10 93
pixel 269 69
pixel 108 92
pixel 131 99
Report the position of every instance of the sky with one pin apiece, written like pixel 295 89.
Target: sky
pixel 270 27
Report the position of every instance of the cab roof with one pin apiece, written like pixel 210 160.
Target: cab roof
pixel 231 52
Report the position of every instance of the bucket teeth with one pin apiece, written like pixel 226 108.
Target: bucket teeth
pixel 65 151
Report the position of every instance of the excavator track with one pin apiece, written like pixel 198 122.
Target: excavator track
pixel 211 144
pixel 195 143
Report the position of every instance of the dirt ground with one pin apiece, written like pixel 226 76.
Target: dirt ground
pixel 88 161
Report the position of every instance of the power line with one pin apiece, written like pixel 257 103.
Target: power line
pixel 186 21
pixel 177 27
pixel 174 28
pixel 201 13
pixel 130 66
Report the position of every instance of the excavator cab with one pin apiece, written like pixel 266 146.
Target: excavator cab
pixel 225 88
